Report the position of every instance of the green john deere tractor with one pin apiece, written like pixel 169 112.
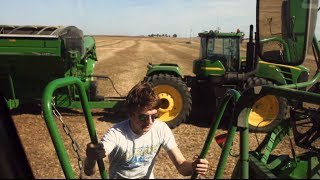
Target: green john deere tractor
pixel 221 66
pixel 32 56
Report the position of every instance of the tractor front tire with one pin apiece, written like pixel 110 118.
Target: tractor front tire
pixel 175 98
pixel 268 111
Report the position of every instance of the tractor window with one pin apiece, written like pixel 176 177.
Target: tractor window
pixel 219 45
pixel 210 48
pixel 225 49
pixel 203 49
pixel 231 52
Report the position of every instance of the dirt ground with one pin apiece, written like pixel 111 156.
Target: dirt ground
pixel 124 60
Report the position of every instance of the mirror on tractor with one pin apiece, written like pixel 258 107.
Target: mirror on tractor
pixel 285 29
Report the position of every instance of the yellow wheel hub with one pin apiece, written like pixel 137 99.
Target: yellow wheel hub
pixel 171 102
pixel 264 111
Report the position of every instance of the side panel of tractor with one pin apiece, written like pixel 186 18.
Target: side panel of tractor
pixel 207 68
pixel 281 74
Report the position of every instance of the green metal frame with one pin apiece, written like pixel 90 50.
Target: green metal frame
pixel 52 126
pixel 280 74
pixel 230 95
pixel 298 95
pixel 244 102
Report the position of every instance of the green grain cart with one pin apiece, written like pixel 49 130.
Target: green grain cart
pixel 33 56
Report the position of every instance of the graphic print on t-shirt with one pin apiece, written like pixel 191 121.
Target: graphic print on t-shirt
pixel 141 155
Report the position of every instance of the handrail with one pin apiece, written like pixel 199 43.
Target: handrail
pixel 52 126
pixel 311 82
pixel 213 128
pixel 283 42
pixel 299 95
pixel 242 111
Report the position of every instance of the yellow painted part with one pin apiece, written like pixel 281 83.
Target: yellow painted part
pixel 281 65
pixel 264 111
pixel 274 64
pixel 173 102
pixel 212 68
pixel 211 74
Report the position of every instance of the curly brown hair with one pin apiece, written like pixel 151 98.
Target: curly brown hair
pixel 141 98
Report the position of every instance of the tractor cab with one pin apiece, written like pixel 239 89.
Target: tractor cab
pixel 219 53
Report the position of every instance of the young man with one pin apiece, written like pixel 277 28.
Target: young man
pixel 132 145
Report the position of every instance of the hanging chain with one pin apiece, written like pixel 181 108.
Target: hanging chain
pixel 69 134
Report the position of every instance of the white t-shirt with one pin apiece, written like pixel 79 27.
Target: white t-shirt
pixel 133 156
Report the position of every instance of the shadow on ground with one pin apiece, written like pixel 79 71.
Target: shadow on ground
pixel 27 108
pixel 108 115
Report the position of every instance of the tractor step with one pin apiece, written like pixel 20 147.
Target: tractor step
pixel 260 169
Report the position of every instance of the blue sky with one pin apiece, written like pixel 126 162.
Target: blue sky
pixel 132 17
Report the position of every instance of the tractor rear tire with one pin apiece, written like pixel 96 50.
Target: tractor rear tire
pixel 267 112
pixel 175 98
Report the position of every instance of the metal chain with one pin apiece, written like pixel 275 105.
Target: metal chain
pixel 69 134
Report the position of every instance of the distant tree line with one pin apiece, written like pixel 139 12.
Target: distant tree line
pixel 162 35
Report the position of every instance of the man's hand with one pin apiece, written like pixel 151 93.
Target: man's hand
pixel 200 166
pixel 95 151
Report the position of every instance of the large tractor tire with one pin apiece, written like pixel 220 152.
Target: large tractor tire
pixel 268 111
pixel 175 98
